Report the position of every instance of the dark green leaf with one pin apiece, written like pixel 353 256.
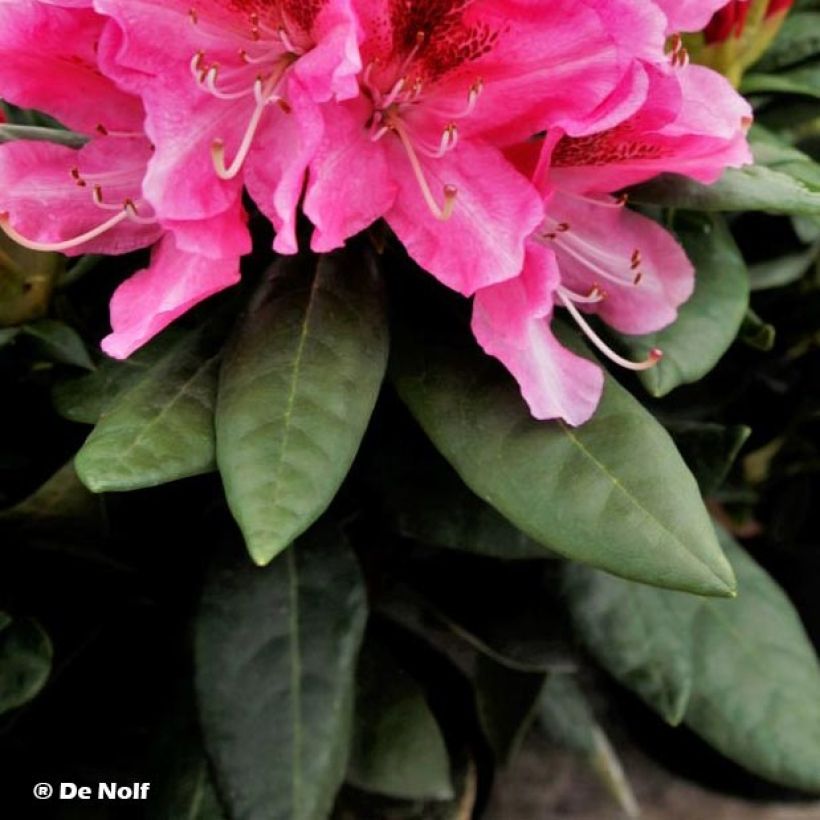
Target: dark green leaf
pixel 741 673
pixel 276 653
pixel 161 429
pixel 397 749
pixel 613 493
pixel 85 398
pixel 710 450
pixel 567 717
pixel 297 389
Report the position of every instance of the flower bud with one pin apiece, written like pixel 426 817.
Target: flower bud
pixel 738 35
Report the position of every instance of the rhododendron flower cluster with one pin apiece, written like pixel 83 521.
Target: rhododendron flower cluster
pixel 492 137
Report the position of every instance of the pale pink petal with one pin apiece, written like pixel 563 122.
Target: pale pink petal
pixel 154 297
pixel 612 248
pixel 689 15
pixel 511 321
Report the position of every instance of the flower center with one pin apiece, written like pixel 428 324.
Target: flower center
pixel 397 94
pixel 267 47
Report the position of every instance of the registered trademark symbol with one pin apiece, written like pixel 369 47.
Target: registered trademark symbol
pixel 42 791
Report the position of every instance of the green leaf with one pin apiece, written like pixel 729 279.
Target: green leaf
pixel 567 717
pixel 756 333
pixel 59 342
pixel 507 702
pixel 613 493
pixel 803 80
pixel 12 133
pixel 161 429
pixel 709 322
pixel 85 398
pixel 276 653
pixel 25 661
pixel 397 749
pixel 181 781
pixel 296 392
pixel 784 270
pixel 742 673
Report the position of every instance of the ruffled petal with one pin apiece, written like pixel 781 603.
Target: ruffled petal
pixel 48 62
pixel 152 298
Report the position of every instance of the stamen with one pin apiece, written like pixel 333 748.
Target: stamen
pixel 59 247
pixel 654 357
pixel 265 94
pixel 450 191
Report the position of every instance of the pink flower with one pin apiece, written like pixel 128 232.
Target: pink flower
pixel 592 254
pixel 58 199
pixel 231 89
pixel 444 84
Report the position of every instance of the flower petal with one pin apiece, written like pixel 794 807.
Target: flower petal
pixel 152 298
pixel 612 247
pixel 511 321
pixel 496 209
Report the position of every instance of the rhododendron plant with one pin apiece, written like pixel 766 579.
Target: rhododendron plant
pixel 456 347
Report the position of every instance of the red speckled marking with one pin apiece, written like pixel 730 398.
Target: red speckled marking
pixel 449 41
pixel 609 148
pixel 302 13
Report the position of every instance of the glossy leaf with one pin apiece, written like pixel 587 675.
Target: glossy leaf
pixel 741 673
pixel 161 429
pixel 709 322
pixel 276 653
pixel 613 493
pixel 296 392
pixel 398 749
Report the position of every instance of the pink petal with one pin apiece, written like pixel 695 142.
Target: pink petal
pixel 276 167
pixel 45 204
pixel 689 15
pixel 350 184
pixel 511 321
pixel 49 63
pixel 152 298
pixel 495 211
pixel 599 250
